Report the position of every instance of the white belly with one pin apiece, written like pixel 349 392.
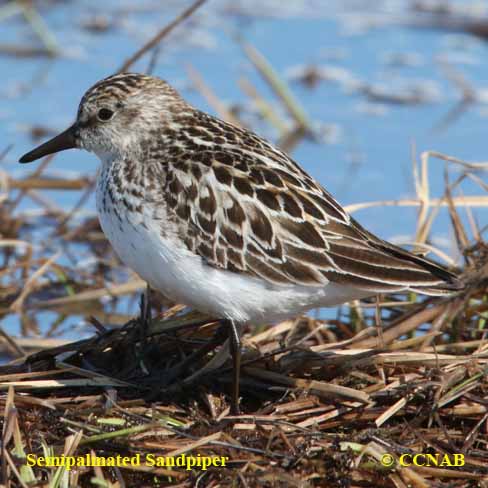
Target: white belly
pixel 186 278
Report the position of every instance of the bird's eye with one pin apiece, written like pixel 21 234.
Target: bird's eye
pixel 105 114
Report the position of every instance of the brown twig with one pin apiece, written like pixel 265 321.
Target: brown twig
pixel 160 35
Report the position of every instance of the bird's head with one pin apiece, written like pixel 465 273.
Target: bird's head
pixel 115 115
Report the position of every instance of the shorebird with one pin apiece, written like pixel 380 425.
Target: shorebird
pixel 217 218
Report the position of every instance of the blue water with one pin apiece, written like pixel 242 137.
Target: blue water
pixel 371 158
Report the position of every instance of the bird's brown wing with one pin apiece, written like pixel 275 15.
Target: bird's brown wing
pixel 253 210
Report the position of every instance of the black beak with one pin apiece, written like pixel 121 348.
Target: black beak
pixel 63 141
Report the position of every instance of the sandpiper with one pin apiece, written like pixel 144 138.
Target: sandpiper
pixel 219 219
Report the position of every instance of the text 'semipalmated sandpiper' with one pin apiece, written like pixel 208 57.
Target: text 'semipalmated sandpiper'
pixel 217 218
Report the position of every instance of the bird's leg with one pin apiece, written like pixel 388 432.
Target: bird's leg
pixel 235 350
pixel 145 318
pixel 146 307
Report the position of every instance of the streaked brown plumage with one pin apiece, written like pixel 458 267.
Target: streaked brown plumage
pixel 270 219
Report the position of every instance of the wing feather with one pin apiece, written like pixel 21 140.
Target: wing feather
pixel 257 212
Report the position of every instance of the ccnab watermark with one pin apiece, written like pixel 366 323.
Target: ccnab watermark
pixel 426 460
